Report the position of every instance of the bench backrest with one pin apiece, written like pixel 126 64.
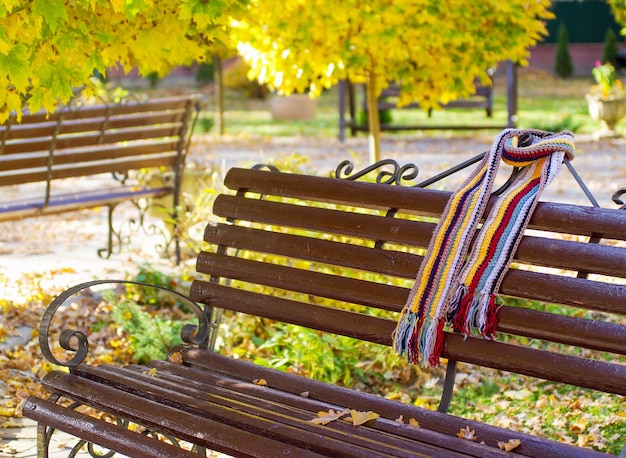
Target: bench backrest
pixel 94 139
pixel 340 256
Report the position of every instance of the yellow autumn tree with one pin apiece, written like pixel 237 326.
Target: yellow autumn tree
pixel 49 48
pixel 618 8
pixel 434 48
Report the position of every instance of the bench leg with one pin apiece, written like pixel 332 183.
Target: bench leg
pixel 448 387
pixel 108 250
pixel 117 238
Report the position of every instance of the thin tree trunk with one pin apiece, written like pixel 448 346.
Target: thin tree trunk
pixel 219 95
pixel 374 119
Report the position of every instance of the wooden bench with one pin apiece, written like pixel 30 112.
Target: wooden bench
pixel 482 99
pixel 339 256
pixel 44 151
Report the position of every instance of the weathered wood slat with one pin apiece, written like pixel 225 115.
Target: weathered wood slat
pixel 181 424
pixel 34 144
pixel 565 218
pixel 107 434
pixel 283 423
pixel 206 362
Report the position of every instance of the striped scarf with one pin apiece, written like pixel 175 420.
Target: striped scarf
pixel 457 283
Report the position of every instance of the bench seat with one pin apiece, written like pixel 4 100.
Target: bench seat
pixel 218 394
pixel 61 203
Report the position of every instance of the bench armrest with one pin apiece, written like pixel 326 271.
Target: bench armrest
pixel 77 342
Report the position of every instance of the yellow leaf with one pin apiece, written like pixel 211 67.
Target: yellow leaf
pixel 176 357
pixel 152 372
pixel 578 426
pixel 467 434
pixel 260 381
pixel 358 418
pixel 510 445
pixel 323 418
pixel 413 422
pixel 7 412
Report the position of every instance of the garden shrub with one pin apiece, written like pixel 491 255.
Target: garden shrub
pixel 563 65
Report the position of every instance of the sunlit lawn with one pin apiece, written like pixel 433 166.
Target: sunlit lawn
pixel 544 102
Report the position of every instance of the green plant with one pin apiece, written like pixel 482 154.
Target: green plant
pixel 385 116
pixel 153 79
pixel 151 317
pixel 150 336
pixel 610 47
pixel 205 73
pixel 563 65
pixel 607 84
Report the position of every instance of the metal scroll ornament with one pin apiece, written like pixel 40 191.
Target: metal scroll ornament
pixel 618 200
pixel 78 343
pixel 398 175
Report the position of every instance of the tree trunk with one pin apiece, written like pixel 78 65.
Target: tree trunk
pixel 374 119
pixel 219 94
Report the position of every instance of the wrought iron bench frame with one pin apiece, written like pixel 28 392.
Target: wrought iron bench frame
pixel 239 408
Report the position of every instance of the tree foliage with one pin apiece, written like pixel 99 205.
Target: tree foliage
pixel 48 48
pixel 435 48
pixel 618 7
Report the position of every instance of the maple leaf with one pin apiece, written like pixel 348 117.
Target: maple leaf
pixel 260 382
pixel 323 418
pixel 510 445
pixel 358 418
pixel 468 434
pixel 413 422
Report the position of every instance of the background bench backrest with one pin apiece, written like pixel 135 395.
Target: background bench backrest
pixel 340 256
pixel 93 139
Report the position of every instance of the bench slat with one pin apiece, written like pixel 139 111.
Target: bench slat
pixel 373 228
pixel 99 110
pixel 564 254
pixel 519 321
pixel 282 422
pixel 179 423
pixel 590 374
pixel 89 168
pixel 207 362
pixel 565 218
pixel 291 402
pixel 90 138
pixel 15 162
pixel 103 433
pixel 69 129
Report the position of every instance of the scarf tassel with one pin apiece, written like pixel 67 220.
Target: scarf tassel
pixel 474 313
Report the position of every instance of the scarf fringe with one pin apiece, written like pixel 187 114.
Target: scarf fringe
pixel 475 314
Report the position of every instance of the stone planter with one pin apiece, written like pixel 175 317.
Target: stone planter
pixel 607 110
pixel 296 106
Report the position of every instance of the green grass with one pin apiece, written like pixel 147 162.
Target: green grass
pixel 544 102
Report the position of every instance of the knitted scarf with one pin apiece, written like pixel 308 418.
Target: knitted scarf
pixel 457 283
